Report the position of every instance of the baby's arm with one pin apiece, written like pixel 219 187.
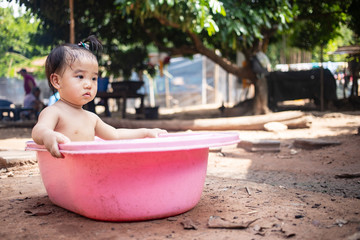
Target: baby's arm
pixel 107 132
pixel 139 133
pixel 43 132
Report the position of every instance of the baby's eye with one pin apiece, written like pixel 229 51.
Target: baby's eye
pixel 80 76
pixel 94 78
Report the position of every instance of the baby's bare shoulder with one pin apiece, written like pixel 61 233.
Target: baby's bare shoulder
pixel 91 115
pixel 50 111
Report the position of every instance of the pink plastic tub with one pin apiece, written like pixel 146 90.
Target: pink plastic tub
pixel 130 180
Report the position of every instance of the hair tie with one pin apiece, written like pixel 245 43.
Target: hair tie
pixel 84 45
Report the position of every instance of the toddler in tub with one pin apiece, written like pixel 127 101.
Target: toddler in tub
pixel 72 70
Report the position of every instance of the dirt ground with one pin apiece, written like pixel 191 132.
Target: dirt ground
pixel 291 194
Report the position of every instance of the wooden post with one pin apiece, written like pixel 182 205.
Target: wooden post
pixel 321 79
pixel 151 90
pixel 230 89
pixel 167 90
pixel 204 82
pixel 72 23
pixel 216 83
pixel 227 89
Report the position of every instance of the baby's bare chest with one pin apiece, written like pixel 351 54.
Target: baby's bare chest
pixel 77 128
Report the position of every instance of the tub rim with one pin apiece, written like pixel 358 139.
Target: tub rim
pixel 168 142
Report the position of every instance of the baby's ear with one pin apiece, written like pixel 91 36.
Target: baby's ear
pixel 54 80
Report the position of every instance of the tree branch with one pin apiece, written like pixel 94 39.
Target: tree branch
pixel 199 47
pixel 182 50
pixel 241 72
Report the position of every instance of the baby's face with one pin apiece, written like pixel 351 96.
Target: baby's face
pixel 78 84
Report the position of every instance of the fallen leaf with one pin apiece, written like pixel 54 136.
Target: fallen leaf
pixel 189 224
pixel 22 199
pixel 355 236
pixel 218 222
pixel 172 219
pixel 287 232
pixel 37 213
pixel 340 222
pixel 348 175
pixel 248 191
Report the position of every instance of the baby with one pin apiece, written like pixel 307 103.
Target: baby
pixel 72 70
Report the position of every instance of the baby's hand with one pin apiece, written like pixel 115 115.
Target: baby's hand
pixel 52 143
pixel 155 132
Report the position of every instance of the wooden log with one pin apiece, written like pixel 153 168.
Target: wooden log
pixel 233 123
pixel 302 122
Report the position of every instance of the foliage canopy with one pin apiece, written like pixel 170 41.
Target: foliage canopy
pixel 187 27
pixel 16 43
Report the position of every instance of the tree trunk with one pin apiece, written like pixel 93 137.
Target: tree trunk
pixel 261 96
pixel 355 67
pixel 72 22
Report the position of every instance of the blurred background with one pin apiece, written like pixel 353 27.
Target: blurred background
pixel 194 54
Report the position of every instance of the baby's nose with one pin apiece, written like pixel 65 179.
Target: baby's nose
pixel 88 83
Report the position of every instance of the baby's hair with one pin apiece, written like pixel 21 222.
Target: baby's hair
pixel 66 54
